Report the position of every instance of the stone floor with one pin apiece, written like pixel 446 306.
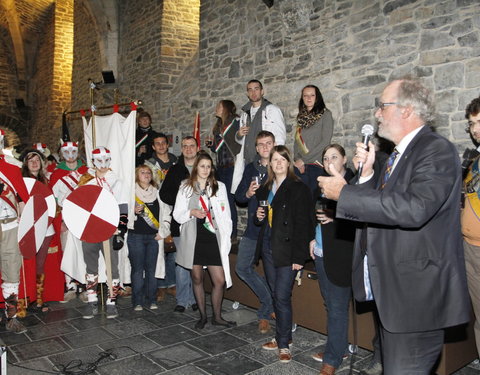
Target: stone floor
pixel 159 342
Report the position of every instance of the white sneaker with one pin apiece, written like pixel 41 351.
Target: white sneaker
pixel 153 306
pixel 138 308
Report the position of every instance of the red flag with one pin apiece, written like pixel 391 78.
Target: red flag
pixel 196 129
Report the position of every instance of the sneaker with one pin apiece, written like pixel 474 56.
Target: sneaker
pixel 153 306
pixel 111 311
pixel 138 308
pixel 91 311
pixel 179 308
pixel 69 295
pixel 263 326
pixel 374 368
pixel 272 345
pixel 13 325
pixel 319 357
pixel 284 355
pixel 161 294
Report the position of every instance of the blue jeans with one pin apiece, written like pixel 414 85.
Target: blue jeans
pixel 185 295
pixel 143 253
pixel 169 280
pixel 246 271
pixel 281 281
pixel 337 301
pixel 225 175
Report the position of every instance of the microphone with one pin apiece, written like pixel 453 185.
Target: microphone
pixel 367 131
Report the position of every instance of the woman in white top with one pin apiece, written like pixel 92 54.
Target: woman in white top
pixel 203 211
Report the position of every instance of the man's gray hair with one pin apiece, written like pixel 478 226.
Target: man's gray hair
pixel 411 92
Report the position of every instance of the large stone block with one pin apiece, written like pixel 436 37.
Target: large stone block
pixel 443 56
pixel 433 39
pixel 448 76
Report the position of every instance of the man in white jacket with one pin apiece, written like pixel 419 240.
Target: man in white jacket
pixel 259 114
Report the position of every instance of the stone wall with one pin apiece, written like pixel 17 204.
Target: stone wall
pixel 157 43
pixel 41 86
pixel 348 48
pixel 86 65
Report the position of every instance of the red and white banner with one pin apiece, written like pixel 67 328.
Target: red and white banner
pixel 91 213
pixel 32 226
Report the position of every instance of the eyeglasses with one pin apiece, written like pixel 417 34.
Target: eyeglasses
pixel 380 105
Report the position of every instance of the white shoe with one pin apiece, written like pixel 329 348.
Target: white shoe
pixel 138 308
pixel 153 306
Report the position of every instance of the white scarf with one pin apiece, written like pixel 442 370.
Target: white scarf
pixel 147 195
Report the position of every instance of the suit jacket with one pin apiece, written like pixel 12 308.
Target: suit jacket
pixel 413 241
pixel 292 223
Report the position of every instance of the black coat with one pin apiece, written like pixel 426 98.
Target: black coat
pixel 170 187
pixel 292 223
pixel 337 239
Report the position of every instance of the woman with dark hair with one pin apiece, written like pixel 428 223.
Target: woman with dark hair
pixel 286 218
pixel 34 166
pixel 222 142
pixel 314 131
pixel 332 251
pixel 202 210
pixel 145 240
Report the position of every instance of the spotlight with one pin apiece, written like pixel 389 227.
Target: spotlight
pixel 108 76
pixel 268 3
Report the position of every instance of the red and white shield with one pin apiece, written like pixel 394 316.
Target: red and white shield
pixel 35 187
pixel 91 213
pixel 32 226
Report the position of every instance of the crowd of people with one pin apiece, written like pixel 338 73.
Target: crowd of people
pixel 379 234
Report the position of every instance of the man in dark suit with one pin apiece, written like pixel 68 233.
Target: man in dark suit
pixel 411 241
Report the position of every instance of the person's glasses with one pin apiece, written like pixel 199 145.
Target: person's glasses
pixel 382 105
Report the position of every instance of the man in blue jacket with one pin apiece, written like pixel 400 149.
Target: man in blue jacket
pixel 245 266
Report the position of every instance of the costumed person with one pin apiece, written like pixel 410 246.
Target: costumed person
pixel 34 167
pixel 202 210
pixel 145 240
pixel 222 142
pixel 63 181
pixel 104 177
pixel 13 195
pixel 50 162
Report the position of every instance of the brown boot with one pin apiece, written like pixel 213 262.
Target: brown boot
pixel 21 308
pixel 13 325
pixel 161 294
pixel 172 291
pixel 327 370
pixel 40 284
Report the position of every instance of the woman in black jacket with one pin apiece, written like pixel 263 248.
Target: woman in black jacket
pixel 286 218
pixel 332 251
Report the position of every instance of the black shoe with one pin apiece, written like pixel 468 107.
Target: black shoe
pixel 179 308
pixel 223 323
pixel 201 323
pixel 194 307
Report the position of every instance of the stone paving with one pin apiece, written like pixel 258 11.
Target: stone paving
pixel 160 341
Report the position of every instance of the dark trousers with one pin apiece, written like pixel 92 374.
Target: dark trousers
pixel 280 280
pixel 411 353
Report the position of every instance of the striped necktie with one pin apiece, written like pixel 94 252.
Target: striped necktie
pixel 388 171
